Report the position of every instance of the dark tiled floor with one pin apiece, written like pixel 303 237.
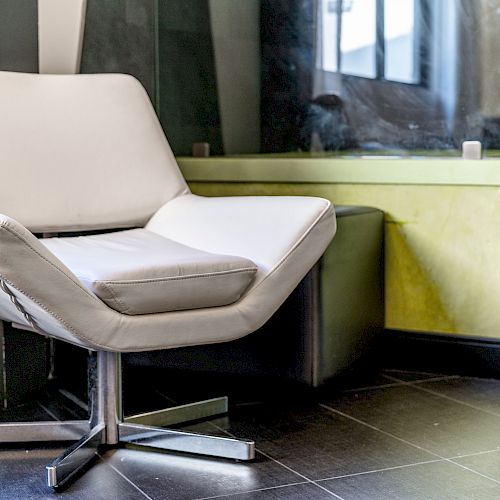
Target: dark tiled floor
pixel 387 435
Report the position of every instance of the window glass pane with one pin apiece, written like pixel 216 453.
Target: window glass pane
pixel 358 38
pixel 399 31
pixel 329 35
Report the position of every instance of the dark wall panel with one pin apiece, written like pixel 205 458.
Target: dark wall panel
pixel 19 35
pixel 188 87
pixel 120 37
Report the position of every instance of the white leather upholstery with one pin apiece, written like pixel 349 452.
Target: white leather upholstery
pixel 139 272
pixel 87 151
pixel 82 151
pixel 70 311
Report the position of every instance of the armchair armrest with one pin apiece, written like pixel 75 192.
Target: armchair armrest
pixel 43 286
pixel 242 225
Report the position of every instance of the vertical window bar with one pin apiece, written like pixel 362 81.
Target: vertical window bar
pixel 339 34
pixel 380 44
pixel 423 30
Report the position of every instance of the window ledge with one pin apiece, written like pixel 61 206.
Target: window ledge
pixel 431 171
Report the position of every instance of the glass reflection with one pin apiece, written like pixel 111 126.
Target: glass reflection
pixel 358 38
pixel 403 77
pixel 400 41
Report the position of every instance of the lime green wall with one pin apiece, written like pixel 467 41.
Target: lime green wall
pixel 442 248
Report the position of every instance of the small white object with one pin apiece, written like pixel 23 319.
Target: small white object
pixel 471 150
pixel 201 149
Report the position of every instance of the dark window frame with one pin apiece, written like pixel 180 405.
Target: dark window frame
pixel 422 33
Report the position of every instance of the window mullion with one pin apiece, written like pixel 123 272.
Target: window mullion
pixel 380 43
pixel 339 35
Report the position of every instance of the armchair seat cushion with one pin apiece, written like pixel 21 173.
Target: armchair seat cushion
pixel 139 272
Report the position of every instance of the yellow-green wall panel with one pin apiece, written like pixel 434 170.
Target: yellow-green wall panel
pixel 442 248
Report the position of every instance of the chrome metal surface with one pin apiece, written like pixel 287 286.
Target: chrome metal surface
pixel 3 369
pixel 95 381
pixel 68 430
pixel 181 414
pixel 75 457
pixel 111 387
pixel 107 426
pixel 189 442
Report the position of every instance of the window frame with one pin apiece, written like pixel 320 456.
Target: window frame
pixel 422 33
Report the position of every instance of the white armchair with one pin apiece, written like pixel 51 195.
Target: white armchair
pixel 86 153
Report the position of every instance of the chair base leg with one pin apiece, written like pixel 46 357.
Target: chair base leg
pixel 181 414
pixel 75 458
pixel 188 442
pixel 109 429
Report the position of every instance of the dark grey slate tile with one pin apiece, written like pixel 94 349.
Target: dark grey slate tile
pixel 357 381
pixel 482 393
pixel 486 463
pixel 433 481
pixel 412 376
pixel 307 491
pixel 25 413
pixel 437 424
pixel 23 476
pixel 320 444
pixel 169 475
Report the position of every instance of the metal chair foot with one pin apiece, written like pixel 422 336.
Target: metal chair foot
pixel 75 457
pixel 22 432
pixel 189 442
pixel 181 414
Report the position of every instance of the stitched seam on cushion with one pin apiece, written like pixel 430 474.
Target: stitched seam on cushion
pixel 54 315
pixel 115 298
pixel 5 225
pixel 177 278
pixel 134 348
pixel 299 242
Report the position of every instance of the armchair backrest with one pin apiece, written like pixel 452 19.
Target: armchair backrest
pixel 81 152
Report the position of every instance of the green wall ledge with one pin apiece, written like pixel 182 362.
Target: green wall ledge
pixel 366 170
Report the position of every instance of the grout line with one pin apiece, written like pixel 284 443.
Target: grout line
pixel 269 457
pixel 395 370
pixel 253 491
pixel 370 387
pixel 295 472
pixel 338 412
pixel 407 442
pixel 49 412
pixel 124 477
pixel 381 470
pixel 328 491
pixel 419 380
pixel 444 396
pixel 400 382
pixel 170 400
pixel 474 454
pixel 474 471
pixel 433 379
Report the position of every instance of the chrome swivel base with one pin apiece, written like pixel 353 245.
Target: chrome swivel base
pixel 107 428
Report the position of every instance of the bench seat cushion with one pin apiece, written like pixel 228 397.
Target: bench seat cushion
pixel 139 272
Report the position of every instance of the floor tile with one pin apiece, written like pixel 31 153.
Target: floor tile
pixel 481 393
pixel 359 382
pixel 23 477
pixel 437 424
pixel 412 376
pixel 320 444
pixel 169 475
pixel 485 463
pixel 296 492
pixel 434 481
pixel 27 412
